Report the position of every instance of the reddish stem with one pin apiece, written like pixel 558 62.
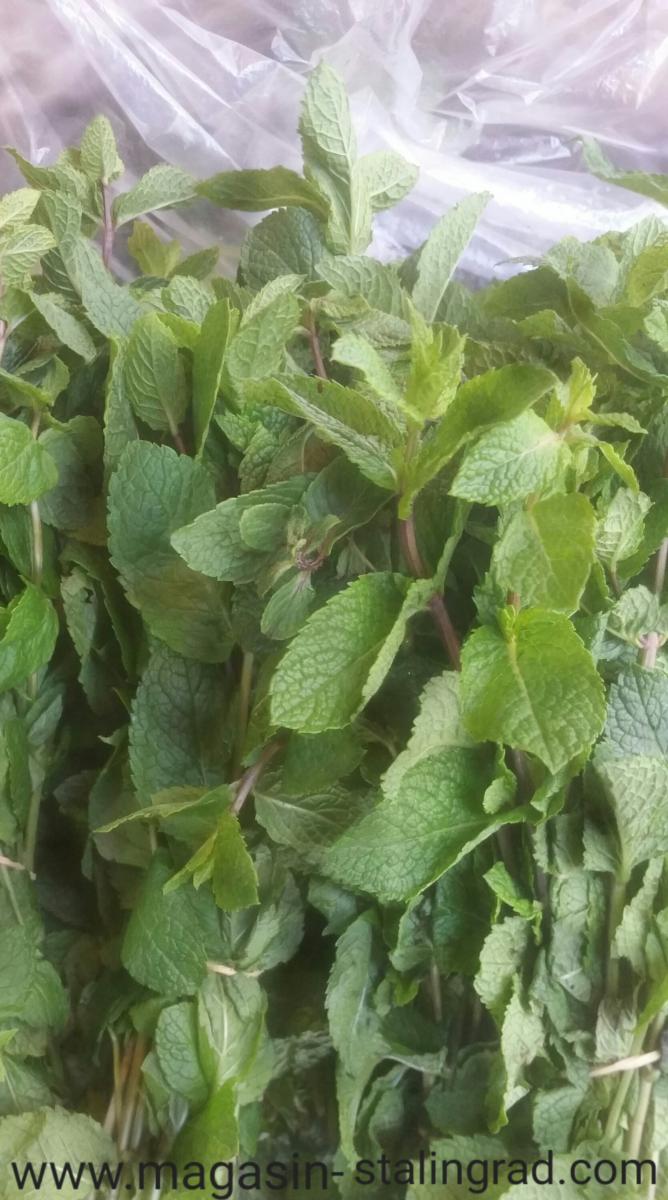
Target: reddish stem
pixel 314 342
pixel 251 776
pixel 436 605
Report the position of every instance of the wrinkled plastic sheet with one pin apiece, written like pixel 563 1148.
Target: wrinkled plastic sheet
pixel 480 94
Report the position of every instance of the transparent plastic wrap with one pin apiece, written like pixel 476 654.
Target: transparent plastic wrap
pixel 480 94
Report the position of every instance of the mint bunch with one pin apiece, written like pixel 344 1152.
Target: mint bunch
pixel 334 772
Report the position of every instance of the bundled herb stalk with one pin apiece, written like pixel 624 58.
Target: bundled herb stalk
pixel 334 780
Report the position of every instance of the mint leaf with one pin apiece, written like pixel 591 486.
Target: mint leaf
pixel 161 187
pixel 534 687
pixel 511 461
pixel 214 543
pixel 218 329
pixel 496 396
pixel 26 468
pixel 69 329
pixel 342 416
pixel 258 349
pixel 16 208
pixel 153 492
pixel 546 551
pixel 154 377
pixel 98 153
pixel 152 950
pixel 288 242
pixel 407 842
pixel 636 789
pixel 321 680
pixel 385 178
pixel 175 725
pixel 654 186
pixel 111 309
pixel 20 252
pixel 329 147
pixel 234 880
pixel 256 191
pixel 441 252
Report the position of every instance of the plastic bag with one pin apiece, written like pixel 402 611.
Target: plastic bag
pixel 480 94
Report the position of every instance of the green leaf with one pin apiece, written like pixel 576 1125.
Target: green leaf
pixel 620 528
pixel 636 614
pixel 522 1041
pixel 76 449
pixel 50 1135
pixel 20 252
pixel 636 788
pixel 178 1053
pixel 385 178
pixel 119 423
pixel 154 377
pixel 496 396
pixel 111 309
pixel 315 761
pixel 177 716
pixel 407 842
pixel 161 187
pixel 353 1023
pixel 508 892
pixel 358 353
pixel 153 257
pixel 256 191
pixel 153 492
pixel 510 461
pixel 99 153
pixel 230 1012
pixel 356 275
pixel 26 469
pixel 321 680
pixel 501 959
pixel 288 608
pixel 16 208
pixel 342 416
pixel 437 726
pixel 213 543
pixel 442 250
pixel 71 332
pixel 536 688
pixel 154 950
pixel 258 349
pixel 19 391
pixel 29 630
pixel 288 242
pixel 631 935
pixel 435 372
pixel 234 879
pixel 218 329
pixel 654 186
pixel 546 551
pixel 329 148
pixel 308 824
pixel 200 264
pixel 637 717
pixel 211 1136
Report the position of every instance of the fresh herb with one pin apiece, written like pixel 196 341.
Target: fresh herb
pixel 334 772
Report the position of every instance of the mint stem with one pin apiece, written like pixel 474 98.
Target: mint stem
pixel 648 1077
pixel 243 709
pixel 617 1106
pixel 314 341
pixel 250 778
pixel 436 605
